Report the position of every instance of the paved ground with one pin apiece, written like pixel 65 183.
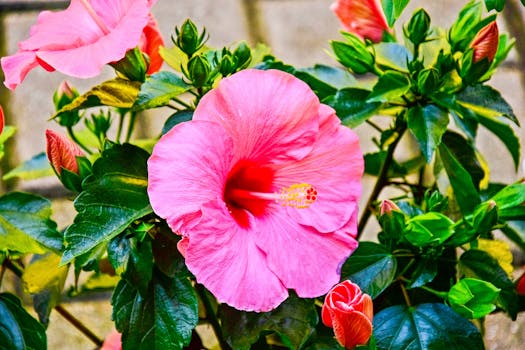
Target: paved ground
pixel 298 31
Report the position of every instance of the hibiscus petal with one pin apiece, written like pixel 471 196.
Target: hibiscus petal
pixel 271 115
pixel 303 258
pixel 334 168
pixel 188 168
pixel 17 66
pixel 223 257
pixel 351 329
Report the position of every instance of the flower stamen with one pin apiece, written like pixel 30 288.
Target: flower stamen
pixel 298 196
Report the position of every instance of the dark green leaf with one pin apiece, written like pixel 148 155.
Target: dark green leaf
pixel 118 92
pixel 393 9
pixel 163 319
pixel 176 118
pixel 372 267
pixel 351 106
pixel 466 156
pixel 34 168
pixel 166 254
pixel 515 231
pixel 484 100
pixel 45 280
pixel 140 265
pixel 393 55
pixel 428 124
pixel 159 89
pixel 425 326
pixel 464 190
pixel 391 86
pixel 294 321
pixel 325 80
pixel 374 162
pixel 25 224
pixel 478 263
pixel 494 5
pixel 425 272
pixel 114 196
pixel 18 329
pixel 505 133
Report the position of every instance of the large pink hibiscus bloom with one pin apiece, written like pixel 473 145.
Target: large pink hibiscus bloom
pixel 80 40
pixel 263 185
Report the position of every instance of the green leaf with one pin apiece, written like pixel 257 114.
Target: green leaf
pixel 325 80
pixel 393 9
pixel 393 55
pixel 117 92
pixel 140 265
pixel 473 298
pixel 159 89
pixel 425 326
pixel 500 128
pixel 494 5
pixel 34 168
pixel 176 118
pixel 464 152
pixel 18 329
pixel 464 190
pixel 484 100
pixel 425 272
pixel 163 319
pixel 515 231
pixel 167 257
pixel 510 201
pixel 6 134
pixel 427 124
pixel 45 280
pixel 372 267
pixel 478 263
pixel 374 162
pixel 114 196
pixel 25 224
pixel 294 321
pixel 390 86
pixel 431 228
pixel 351 106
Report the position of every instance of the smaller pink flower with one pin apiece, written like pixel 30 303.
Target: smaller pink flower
pixel 349 312
pixel 364 18
pixel 65 90
pixel 150 42
pixel 79 40
pixel 113 341
pixel 2 120
pixel 62 152
pixel 485 43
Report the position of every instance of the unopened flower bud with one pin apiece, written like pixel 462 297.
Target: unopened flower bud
pixel 349 312
pixel 62 152
pixel 354 54
pixel 199 70
pixel 387 206
pixel 188 38
pixel 2 120
pixel 113 341
pixel 243 54
pixel 418 26
pixel 485 43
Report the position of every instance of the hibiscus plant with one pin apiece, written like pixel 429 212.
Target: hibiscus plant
pixel 242 213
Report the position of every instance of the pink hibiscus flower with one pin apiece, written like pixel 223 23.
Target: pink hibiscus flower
pixel 263 185
pixel 80 40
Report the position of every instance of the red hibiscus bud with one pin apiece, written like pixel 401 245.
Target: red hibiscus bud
pixel 520 286
pixel 387 206
pixel 150 42
pixel 2 120
pixel 64 89
pixel 364 18
pixel 113 341
pixel 485 43
pixel 349 312
pixel 62 152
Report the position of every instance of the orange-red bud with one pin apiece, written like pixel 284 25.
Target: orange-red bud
pixel 2 120
pixel 150 42
pixel 364 18
pixel 62 152
pixel 485 43
pixel 349 312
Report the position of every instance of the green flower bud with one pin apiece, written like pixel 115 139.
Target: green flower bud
pixel 353 54
pixel 417 28
pixel 243 55
pixel 227 65
pixel 64 95
pixel 199 70
pixel 428 81
pixel 188 38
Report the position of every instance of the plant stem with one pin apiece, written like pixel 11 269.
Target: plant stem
pixel 405 294
pixel 19 271
pixel 71 134
pixel 120 126
pixel 182 103
pixel 2 271
pixel 131 125
pixel 382 181
pixel 212 317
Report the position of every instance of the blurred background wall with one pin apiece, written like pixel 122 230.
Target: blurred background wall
pixel 298 31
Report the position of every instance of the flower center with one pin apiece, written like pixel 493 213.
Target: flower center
pixel 100 23
pixel 249 188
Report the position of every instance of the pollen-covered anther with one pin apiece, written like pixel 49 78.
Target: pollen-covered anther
pixel 298 196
